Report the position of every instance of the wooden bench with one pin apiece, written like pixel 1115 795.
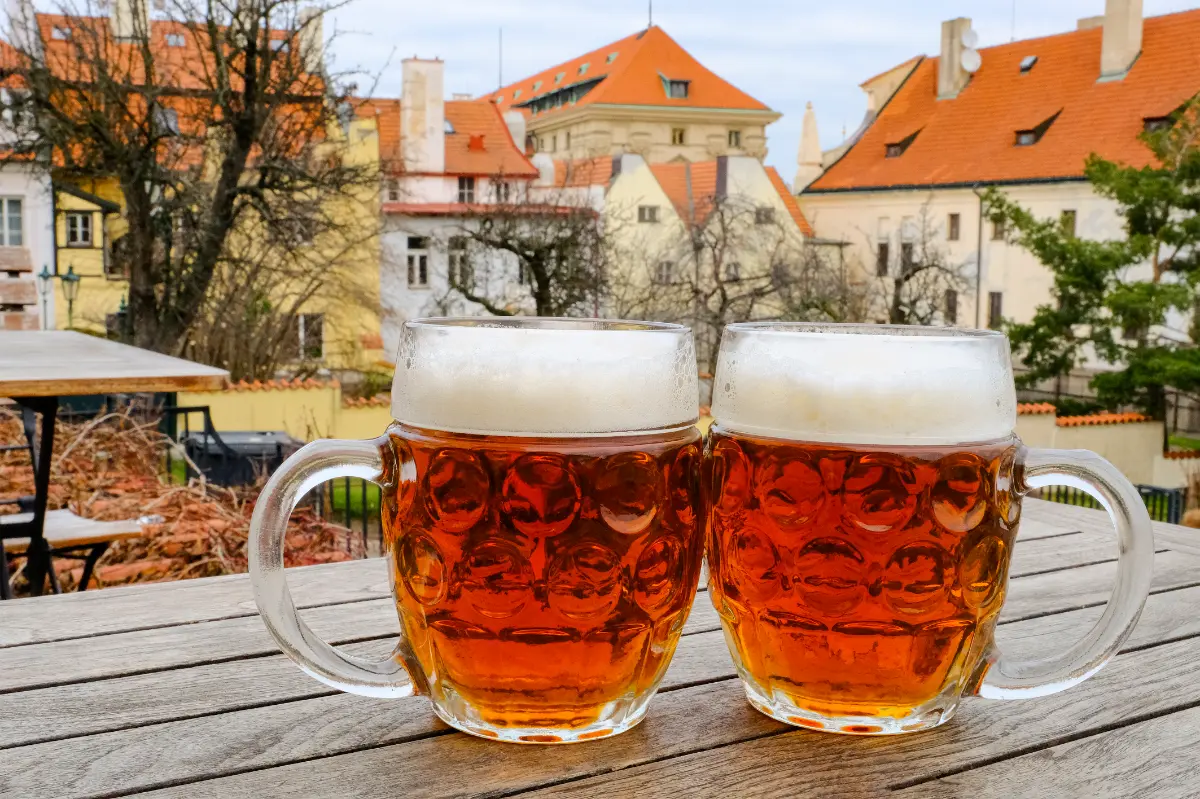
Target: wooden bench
pixel 72 536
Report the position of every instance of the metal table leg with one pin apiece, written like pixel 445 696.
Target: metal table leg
pixel 37 564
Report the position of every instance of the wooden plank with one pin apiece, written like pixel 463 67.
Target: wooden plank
pixel 139 701
pixel 1155 758
pixel 148 606
pixel 60 363
pixel 669 754
pixel 64 529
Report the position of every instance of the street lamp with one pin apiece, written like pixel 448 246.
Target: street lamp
pixel 70 287
pixel 45 286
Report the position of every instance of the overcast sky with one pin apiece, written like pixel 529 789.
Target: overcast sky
pixel 784 52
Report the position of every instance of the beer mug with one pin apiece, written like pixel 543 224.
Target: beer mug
pixel 865 488
pixel 541 516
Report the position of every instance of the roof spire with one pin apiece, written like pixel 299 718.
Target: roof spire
pixel 808 160
pixel 651 23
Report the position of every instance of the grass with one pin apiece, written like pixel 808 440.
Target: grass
pixel 1184 442
pixel 337 499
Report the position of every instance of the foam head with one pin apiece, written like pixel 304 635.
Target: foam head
pixel 864 384
pixel 544 377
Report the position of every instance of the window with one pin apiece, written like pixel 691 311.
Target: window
pixel 1068 221
pixel 116 261
pixel 115 325
pixel 418 262
pixel 951 307
pixel 894 151
pixel 664 272
pixel 448 127
pixel 735 138
pixel 907 257
pixel 503 190
pixel 461 274
pixel 677 89
pixel 166 120
pixel 677 135
pixel 558 78
pixel 175 40
pixel 1028 138
pixel 1154 124
pixel 13 234
pixel 279 45
pixel 310 336
pixel 899 148
pixel 466 190
pixel 733 271
pixel 295 231
pixel 995 309
pixel 517 94
pixel 954 227
pixel 554 143
pixel 537 85
pixel 648 214
pixel 612 57
pixel 567 143
pixel 999 230
pixel 764 216
pixel 392 190
pixel 883 257
pixel 79 228
pixel 1027 63
pixel 583 68
pixel 60 33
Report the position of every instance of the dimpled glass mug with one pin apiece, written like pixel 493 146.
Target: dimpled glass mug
pixel 541 513
pixel 864 491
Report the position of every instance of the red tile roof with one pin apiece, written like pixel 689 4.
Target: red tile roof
pixel 1101 419
pixel 972 138
pixel 674 178
pixel 1034 408
pixel 634 76
pixel 584 172
pixel 789 201
pixel 494 152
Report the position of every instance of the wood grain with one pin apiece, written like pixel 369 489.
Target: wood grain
pixel 60 363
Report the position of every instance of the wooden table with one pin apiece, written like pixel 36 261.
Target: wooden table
pixel 38 367
pixel 177 691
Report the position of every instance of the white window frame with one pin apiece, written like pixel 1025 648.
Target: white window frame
pixel 417 263
pixel 664 273
pixel 466 189
pixel 6 229
pixel 302 324
pixel 648 214
pixel 80 233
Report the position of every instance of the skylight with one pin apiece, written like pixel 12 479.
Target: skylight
pixel 517 94
pixel 558 78
pixel 1027 63
pixel 537 85
pixel 583 68
pixel 612 57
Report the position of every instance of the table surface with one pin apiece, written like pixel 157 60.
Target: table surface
pixel 55 363
pixel 177 690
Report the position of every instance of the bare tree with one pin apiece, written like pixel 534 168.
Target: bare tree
pixel 916 281
pixel 225 133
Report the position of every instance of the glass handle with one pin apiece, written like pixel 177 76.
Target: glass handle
pixel 1087 471
pixel 308 468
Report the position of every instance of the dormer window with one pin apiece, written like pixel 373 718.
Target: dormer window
pixel 537 85
pixel 677 89
pixel 897 149
pixel 1030 137
pixel 583 68
pixel 175 40
pixel 612 57
pixel 558 78
pixel 60 33
pixel 1155 124
pixel 448 127
pixel 517 94
pixel 1028 63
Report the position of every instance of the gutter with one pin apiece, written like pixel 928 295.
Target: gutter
pixel 973 184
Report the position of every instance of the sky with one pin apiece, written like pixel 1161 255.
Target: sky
pixel 783 52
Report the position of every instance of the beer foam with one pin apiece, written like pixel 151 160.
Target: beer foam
pixel 858 384
pixel 534 377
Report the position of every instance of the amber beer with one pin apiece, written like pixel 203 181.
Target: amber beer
pixel 863 490
pixel 859 581
pixel 544 581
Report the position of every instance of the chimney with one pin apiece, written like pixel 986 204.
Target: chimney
pixel 952 77
pixel 312 39
pixel 23 26
pixel 516 128
pixel 1122 42
pixel 1087 23
pixel 423 116
pixel 808 160
pixel 545 167
pixel 129 19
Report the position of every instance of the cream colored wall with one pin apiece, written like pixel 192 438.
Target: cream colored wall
pixel 598 130
pixel 1132 448
pixel 98 295
pixel 1037 430
pixel 305 413
pixel 1023 281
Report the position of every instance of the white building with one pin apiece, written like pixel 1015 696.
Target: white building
pixel 1023 117
pixel 26 247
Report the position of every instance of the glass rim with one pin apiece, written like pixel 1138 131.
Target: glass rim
pixel 864 329
pixel 559 323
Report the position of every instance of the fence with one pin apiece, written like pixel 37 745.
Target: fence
pixel 1163 504
pixel 353 503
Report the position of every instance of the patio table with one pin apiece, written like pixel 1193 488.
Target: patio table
pixel 39 367
pixel 176 690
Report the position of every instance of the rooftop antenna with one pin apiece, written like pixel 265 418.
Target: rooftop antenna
pixel 500 64
pixel 651 23
pixel 1014 22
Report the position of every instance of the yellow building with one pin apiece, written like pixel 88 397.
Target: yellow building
pixel 85 221
pixel 643 94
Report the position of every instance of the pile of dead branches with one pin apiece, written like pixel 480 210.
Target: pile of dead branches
pixel 113 468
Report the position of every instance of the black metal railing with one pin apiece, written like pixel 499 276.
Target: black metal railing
pixel 1163 504
pixel 353 503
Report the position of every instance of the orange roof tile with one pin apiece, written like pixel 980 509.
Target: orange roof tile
pixel 972 138
pixel 1182 455
pixel 1101 419
pixel 634 76
pixel 1034 408
pixel 789 201
pixel 597 171
pixel 494 153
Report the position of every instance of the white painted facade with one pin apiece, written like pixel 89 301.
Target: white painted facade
pixel 32 186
